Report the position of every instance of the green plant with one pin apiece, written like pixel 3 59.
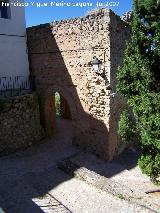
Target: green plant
pixel 127 128
pixel 120 196
pixel 57 104
pixel 149 114
pixel 139 81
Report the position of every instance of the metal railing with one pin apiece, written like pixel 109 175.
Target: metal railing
pixel 16 86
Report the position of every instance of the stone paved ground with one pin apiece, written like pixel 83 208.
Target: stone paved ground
pixel 120 178
pixel 30 181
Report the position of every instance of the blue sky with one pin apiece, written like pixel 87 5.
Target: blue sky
pixel 39 13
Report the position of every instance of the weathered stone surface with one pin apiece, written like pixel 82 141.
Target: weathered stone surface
pixel 19 123
pixel 127 17
pixel 60 54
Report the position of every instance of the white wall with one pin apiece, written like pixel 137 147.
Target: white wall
pixel 13 50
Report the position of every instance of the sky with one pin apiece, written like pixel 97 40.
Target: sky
pixel 44 11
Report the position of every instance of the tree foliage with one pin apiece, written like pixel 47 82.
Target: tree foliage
pixel 130 133
pixel 139 81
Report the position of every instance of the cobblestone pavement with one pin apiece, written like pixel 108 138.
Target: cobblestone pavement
pixel 30 181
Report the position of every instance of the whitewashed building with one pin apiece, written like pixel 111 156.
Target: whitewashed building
pixel 13 48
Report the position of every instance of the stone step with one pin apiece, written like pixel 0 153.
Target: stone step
pixel 83 167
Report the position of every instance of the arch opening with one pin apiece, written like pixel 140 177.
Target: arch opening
pixel 62 118
pixel 57 112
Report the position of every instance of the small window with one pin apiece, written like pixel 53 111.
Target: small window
pixel 4 9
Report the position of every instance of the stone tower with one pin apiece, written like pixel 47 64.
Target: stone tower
pixel 60 59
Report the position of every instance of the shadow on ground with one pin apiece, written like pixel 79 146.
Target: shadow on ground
pixel 33 173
